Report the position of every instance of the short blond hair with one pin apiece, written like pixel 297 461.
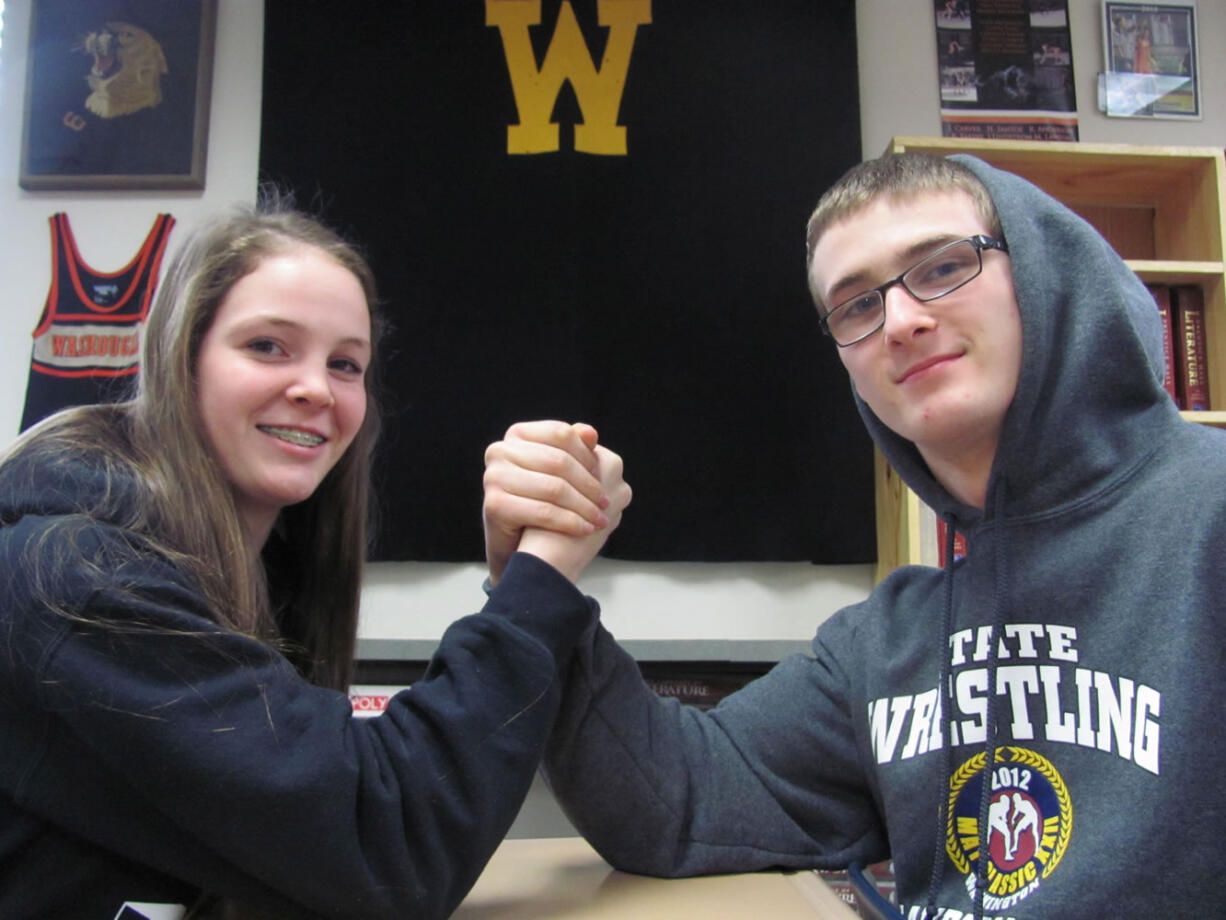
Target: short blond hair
pixel 899 176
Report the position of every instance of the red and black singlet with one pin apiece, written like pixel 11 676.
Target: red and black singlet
pixel 87 342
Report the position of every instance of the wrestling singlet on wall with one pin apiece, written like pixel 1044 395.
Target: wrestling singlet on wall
pixel 87 342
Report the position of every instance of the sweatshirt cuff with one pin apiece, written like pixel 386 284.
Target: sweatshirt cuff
pixel 539 599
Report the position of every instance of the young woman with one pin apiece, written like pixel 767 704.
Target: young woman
pixel 178 614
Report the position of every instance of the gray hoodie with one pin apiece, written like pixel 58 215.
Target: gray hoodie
pixel 1096 564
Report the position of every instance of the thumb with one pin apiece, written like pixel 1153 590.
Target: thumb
pixel 587 434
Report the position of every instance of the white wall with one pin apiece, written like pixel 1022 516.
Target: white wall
pixel 110 226
pixel 409 604
pixel 898 77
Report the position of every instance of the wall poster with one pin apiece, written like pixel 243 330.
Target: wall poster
pixel 1006 69
pixel 1152 64
pixel 117 94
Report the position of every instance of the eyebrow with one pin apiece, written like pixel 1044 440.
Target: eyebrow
pixel 916 251
pixel 273 320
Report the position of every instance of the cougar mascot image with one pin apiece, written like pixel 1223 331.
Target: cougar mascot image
pixel 127 72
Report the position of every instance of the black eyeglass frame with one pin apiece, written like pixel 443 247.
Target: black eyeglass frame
pixel 979 241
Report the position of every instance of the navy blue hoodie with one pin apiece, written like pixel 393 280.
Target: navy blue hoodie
pixel 156 756
pixel 1082 644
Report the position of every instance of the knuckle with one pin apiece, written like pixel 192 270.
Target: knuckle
pixel 494 487
pixel 494 452
pixel 542 515
pixel 555 490
pixel 554 464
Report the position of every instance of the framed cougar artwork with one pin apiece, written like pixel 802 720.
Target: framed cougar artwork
pixel 117 94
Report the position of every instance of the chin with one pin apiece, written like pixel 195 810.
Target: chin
pixel 285 496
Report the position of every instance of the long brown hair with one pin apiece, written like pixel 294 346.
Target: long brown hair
pixel 184 506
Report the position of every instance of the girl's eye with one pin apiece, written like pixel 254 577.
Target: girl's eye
pixel 265 347
pixel 345 366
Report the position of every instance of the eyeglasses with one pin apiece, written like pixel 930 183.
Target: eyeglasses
pixel 936 275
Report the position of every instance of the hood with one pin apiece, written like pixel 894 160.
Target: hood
pixel 1090 390
pixel 1088 406
pixel 46 474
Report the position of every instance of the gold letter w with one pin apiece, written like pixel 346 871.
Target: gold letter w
pixel 599 90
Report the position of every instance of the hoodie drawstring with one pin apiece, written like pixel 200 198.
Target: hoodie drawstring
pixel 1000 592
pixel 999 596
pixel 947 627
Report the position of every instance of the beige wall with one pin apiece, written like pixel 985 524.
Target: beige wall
pixel 898 77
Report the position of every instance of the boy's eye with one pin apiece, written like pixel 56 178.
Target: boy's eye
pixel 940 270
pixel 858 306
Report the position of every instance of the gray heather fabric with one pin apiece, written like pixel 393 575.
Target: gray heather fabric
pixel 1102 568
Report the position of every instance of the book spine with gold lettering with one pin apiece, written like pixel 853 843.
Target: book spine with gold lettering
pixel 1191 353
pixel 1162 297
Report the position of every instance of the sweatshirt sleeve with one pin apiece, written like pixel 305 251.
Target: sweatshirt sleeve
pixel 768 778
pixel 203 754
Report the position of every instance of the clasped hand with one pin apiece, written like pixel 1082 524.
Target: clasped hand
pixel 553 491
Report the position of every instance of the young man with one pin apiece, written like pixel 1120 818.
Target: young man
pixel 1026 733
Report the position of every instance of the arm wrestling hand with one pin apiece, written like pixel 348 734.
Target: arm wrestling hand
pixel 541 474
pixel 568 554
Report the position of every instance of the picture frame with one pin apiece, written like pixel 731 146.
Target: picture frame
pixel 118 94
pixel 1152 60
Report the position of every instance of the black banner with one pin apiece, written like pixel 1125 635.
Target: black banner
pixel 639 266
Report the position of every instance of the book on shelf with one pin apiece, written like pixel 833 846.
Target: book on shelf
pixel 1162 297
pixel 933 537
pixel 942 543
pixel 701 684
pixel 1191 351
pixel 881 875
pixel 696 683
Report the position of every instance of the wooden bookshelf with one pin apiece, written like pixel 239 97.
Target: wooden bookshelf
pixel 1162 208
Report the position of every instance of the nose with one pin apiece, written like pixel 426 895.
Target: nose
pixel 905 317
pixel 311 386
